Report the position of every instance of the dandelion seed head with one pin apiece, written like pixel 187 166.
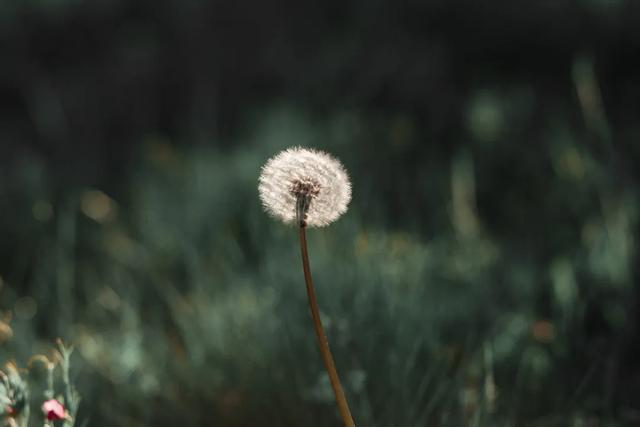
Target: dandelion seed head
pixel 300 175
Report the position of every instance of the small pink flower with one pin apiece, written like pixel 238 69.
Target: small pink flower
pixel 53 410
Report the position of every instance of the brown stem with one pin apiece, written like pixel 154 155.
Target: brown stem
pixel 327 359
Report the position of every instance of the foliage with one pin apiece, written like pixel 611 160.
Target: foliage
pixel 485 274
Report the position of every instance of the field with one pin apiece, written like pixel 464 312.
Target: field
pixel 485 273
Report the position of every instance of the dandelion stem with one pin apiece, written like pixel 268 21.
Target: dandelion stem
pixel 327 358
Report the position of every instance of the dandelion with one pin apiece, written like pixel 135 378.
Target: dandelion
pixel 307 183
pixel 309 188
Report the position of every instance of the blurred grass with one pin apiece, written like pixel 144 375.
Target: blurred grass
pixel 496 289
pixel 486 273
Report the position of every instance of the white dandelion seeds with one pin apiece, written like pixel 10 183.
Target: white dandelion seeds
pixel 304 185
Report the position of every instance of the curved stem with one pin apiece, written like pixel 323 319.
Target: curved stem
pixel 327 359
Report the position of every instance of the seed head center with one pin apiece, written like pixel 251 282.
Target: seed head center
pixel 305 187
pixel 305 191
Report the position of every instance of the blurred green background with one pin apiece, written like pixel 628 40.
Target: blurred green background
pixel 486 273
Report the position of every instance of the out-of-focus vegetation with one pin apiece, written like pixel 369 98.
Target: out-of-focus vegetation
pixel 485 274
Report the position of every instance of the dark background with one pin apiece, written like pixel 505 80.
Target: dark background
pixel 485 274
